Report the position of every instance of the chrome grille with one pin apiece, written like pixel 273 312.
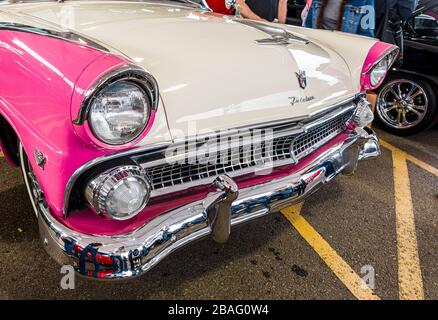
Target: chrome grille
pixel 234 162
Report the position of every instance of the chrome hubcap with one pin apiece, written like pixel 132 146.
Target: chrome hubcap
pixel 402 104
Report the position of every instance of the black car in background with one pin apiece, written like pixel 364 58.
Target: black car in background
pixel 407 101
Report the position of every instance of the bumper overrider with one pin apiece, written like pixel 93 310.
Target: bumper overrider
pixel 129 255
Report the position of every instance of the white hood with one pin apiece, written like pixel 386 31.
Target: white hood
pixel 209 68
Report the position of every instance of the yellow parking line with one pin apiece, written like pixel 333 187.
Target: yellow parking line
pixel 411 158
pixel 341 269
pixel 409 271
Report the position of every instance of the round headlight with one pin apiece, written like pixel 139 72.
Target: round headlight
pixel 119 112
pixel 378 72
pixel 119 194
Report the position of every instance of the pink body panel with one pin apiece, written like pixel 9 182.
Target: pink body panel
pixel 37 88
pixel 377 51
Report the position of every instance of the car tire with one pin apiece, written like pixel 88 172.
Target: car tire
pixel 35 193
pixel 406 105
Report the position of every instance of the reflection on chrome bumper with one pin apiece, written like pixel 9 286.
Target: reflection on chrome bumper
pixel 225 206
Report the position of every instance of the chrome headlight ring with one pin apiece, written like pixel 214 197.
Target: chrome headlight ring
pixel 130 80
pixel 105 198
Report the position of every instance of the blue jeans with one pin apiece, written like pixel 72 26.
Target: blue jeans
pixel 359 17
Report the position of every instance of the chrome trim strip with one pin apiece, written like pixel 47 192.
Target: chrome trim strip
pixel 127 72
pixel 225 206
pixel 62 35
pixel 335 113
pixel 336 105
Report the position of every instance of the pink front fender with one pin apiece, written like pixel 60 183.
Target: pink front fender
pixel 37 85
pixel 377 51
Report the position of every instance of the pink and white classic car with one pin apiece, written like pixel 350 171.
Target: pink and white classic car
pixel 141 127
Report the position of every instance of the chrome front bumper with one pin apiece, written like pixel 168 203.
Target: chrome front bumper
pixel 132 254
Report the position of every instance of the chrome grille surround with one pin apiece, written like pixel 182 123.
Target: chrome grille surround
pixel 289 144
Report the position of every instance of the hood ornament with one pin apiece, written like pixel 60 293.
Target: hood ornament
pixel 302 79
pixel 277 35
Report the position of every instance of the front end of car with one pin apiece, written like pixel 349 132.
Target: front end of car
pixel 127 211
pixel 116 191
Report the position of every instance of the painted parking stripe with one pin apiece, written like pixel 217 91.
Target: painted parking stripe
pixel 411 158
pixel 409 272
pixel 409 268
pixel 340 268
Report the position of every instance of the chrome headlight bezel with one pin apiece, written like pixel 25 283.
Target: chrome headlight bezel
pixel 98 190
pixel 379 71
pixel 130 74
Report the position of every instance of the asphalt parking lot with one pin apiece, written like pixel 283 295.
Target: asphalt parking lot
pixel 351 229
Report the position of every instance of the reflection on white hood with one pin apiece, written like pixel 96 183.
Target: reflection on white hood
pixel 210 68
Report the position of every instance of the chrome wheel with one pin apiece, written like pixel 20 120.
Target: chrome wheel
pixel 33 187
pixel 402 104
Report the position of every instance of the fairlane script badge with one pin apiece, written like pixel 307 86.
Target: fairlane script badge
pixel 302 79
pixel 295 100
